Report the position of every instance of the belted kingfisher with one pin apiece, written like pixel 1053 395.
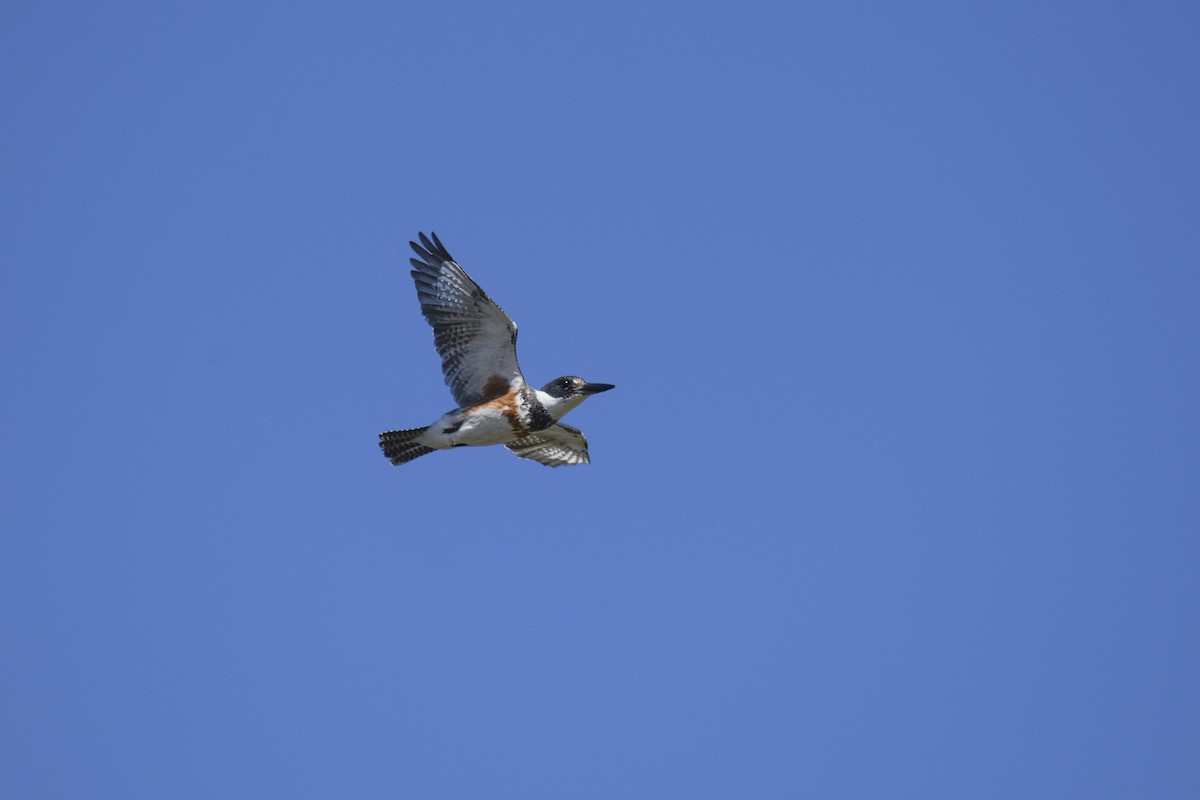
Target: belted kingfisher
pixel 478 345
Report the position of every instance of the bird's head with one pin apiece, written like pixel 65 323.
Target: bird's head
pixel 562 394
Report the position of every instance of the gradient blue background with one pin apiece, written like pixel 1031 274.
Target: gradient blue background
pixel 898 494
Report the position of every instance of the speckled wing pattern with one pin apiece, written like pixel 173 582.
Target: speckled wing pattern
pixel 557 446
pixel 475 338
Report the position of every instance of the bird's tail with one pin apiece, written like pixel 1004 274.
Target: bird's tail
pixel 402 446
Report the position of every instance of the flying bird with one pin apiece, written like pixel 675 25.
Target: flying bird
pixel 478 345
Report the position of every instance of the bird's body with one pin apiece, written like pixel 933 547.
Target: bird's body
pixel 477 343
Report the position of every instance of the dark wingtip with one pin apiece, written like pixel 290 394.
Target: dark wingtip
pixel 433 251
pixel 421 251
pixel 431 248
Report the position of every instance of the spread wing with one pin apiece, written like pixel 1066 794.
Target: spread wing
pixel 475 338
pixel 557 446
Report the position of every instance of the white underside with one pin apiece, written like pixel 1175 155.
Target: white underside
pixel 487 425
pixel 483 427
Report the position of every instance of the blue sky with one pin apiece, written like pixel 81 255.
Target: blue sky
pixel 897 495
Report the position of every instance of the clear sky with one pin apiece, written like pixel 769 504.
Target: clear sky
pixel 898 494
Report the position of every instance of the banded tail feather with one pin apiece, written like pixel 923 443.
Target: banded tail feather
pixel 402 446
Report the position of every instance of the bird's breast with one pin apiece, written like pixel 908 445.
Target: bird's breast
pixel 494 422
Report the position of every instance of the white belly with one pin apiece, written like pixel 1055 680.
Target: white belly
pixel 483 426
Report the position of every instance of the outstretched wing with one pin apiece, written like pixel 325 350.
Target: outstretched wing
pixel 475 338
pixel 557 446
